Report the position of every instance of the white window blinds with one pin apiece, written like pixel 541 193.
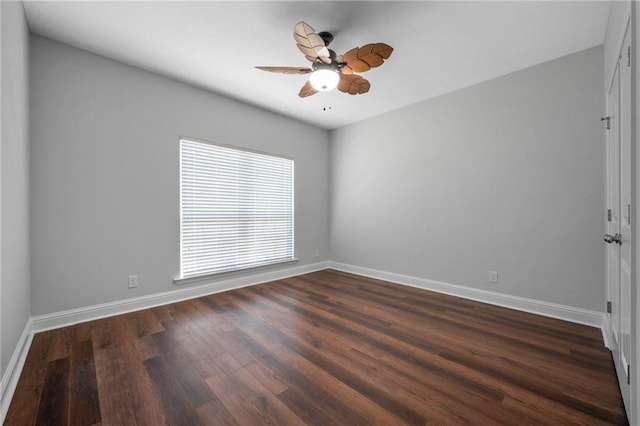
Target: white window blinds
pixel 236 209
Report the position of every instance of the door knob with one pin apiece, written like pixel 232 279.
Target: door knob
pixel 608 238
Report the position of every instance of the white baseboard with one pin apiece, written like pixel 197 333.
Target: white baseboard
pixel 14 369
pixel 90 313
pixel 547 309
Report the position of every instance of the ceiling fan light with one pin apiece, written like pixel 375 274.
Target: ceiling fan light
pixel 324 79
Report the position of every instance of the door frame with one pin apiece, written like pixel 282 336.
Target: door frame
pixel 635 196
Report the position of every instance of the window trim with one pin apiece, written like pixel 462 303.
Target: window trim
pixel 207 277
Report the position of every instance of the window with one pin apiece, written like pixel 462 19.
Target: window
pixel 236 209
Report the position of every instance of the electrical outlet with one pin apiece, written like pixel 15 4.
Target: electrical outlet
pixel 133 281
pixel 493 277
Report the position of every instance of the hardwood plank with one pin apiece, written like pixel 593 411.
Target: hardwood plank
pixel 140 326
pixel 176 405
pixel 84 401
pixel 146 347
pixel 305 408
pixel 271 409
pixel 186 373
pixel 214 412
pixel 81 332
pixel 115 404
pixel 202 344
pixel 54 406
pixel 227 363
pixel 143 395
pixel 242 410
pixel 60 345
pixel 368 410
pixel 266 376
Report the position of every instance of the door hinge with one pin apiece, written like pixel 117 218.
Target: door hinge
pixel 629 55
pixel 608 307
pixel 628 214
pixel 608 215
pixel 628 374
pixel 608 120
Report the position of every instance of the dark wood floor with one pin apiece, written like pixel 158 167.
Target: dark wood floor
pixel 325 348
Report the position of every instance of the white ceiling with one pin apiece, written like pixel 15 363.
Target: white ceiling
pixel 440 46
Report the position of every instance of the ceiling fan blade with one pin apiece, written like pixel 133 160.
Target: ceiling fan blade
pixel 307 90
pixel 353 84
pixel 310 43
pixel 286 70
pixel 361 59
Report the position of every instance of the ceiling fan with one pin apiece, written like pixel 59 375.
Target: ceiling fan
pixel 329 70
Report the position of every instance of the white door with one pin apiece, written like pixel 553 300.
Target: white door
pixel 625 222
pixel 619 214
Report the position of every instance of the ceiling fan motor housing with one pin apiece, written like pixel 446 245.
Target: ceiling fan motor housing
pixel 327 37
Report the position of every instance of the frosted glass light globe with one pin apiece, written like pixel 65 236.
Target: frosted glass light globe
pixel 324 79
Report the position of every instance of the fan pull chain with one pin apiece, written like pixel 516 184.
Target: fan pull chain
pixel 327 100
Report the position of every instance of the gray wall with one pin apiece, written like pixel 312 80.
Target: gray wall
pixel 506 176
pixel 14 179
pixel 105 174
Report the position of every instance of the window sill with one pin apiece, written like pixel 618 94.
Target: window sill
pixel 207 277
